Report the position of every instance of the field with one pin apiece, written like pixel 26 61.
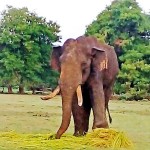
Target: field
pixel 28 114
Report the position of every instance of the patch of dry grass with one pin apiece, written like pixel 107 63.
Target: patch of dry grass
pixel 27 114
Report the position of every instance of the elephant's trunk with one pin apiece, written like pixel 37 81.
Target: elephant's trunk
pixel 69 87
pixel 67 108
pixel 66 116
pixel 67 97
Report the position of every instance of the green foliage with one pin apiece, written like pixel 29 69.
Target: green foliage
pixel 26 43
pixel 124 20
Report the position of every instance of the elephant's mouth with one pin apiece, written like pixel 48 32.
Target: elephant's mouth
pixel 57 90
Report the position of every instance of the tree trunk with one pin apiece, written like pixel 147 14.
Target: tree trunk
pixel 10 89
pixel 21 89
pixel 33 91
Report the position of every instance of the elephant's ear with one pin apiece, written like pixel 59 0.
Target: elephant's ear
pixel 95 49
pixel 103 60
pixel 56 53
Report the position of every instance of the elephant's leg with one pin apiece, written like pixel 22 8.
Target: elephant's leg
pixel 81 113
pixel 108 92
pixel 98 103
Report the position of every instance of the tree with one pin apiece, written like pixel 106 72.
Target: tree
pixel 125 26
pixel 27 42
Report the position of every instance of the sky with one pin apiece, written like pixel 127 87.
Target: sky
pixel 71 15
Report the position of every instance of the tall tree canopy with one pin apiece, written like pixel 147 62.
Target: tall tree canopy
pixel 26 42
pixel 125 26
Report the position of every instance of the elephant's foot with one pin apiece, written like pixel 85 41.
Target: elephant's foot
pixel 79 133
pixel 81 128
pixel 100 124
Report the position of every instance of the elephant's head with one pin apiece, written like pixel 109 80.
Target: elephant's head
pixel 75 65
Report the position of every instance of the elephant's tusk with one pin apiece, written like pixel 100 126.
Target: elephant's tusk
pixel 53 94
pixel 79 95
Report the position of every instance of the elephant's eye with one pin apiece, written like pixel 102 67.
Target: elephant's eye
pixel 60 59
pixel 84 66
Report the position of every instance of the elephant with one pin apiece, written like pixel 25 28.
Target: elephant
pixel 88 70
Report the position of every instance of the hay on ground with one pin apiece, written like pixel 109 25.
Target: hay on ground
pixel 107 138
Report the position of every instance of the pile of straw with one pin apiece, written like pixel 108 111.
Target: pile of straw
pixel 108 138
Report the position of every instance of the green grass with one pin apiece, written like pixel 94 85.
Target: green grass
pixel 28 114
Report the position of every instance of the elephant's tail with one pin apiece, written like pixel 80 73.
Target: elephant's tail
pixel 110 118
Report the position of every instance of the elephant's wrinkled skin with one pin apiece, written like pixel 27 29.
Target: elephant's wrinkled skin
pixel 93 65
